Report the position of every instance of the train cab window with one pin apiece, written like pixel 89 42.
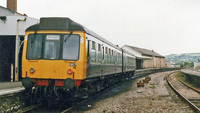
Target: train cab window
pixel 93 52
pixel 34 47
pixel 52 47
pixel 71 46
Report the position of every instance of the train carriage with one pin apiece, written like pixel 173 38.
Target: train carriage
pixel 62 55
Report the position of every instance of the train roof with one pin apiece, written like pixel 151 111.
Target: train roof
pixel 64 23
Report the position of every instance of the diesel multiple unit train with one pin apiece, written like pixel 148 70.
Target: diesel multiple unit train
pixel 63 59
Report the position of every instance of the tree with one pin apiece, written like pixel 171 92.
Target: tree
pixel 187 64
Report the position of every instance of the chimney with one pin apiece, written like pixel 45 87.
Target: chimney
pixel 12 4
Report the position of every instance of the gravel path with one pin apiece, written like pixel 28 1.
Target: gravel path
pixel 154 97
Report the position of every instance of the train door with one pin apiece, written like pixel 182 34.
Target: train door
pixel 88 58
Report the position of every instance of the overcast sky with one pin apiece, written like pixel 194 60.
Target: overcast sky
pixel 167 26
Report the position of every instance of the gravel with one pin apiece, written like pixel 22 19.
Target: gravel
pixel 154 97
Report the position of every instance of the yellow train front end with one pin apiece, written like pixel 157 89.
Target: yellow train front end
pixel 54 56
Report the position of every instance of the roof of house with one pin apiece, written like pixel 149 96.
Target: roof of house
pixel 6 12
pixel 146 51
pixel 9 12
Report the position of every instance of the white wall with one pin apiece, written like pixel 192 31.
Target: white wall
pixel 9 26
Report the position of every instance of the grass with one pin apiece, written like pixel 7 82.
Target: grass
pixel 181 77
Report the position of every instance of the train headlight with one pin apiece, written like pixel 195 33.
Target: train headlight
pixel 69 71
pixel 32 70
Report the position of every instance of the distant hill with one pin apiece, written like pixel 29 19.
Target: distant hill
pixel 186 57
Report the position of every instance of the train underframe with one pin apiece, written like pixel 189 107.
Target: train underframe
pixel 52 94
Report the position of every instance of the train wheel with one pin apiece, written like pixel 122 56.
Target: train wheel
pixel 37 95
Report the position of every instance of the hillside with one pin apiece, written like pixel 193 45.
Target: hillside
pixel 186 57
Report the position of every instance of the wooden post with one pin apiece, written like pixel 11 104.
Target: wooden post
pixel 12 72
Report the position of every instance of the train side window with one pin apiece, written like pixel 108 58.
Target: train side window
pixel 112 56
pixel 106 54
pixel 99 52
pixel 99 47
pixel 109 55
pixel 120 58
pixel 103 52
pixel 117 58
pixel 93 45
pixel 93 52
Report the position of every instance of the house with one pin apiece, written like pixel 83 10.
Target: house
pixel 9 31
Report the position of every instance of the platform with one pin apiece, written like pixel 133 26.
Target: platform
pixel 10 87
pixel 190 72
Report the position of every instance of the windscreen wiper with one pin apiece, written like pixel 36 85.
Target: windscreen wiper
pixel 34 37
pixel 68 37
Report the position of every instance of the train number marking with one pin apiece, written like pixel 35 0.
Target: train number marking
pixel 72 64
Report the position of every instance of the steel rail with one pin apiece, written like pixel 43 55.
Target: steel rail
pixel 73 107
pixel 188 85
pixel 29 108
pixel 103 91
pixel 70 109
pixel 179 94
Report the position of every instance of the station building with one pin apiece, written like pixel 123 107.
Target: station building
pixel 146 58
pixel 9 18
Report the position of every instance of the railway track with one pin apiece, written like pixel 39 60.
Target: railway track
pixel 30 108
pixel 189 94
pixel 68 110
pixel 20 106
pixel 82 102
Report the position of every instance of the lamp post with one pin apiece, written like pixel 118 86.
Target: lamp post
pixel 17 51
